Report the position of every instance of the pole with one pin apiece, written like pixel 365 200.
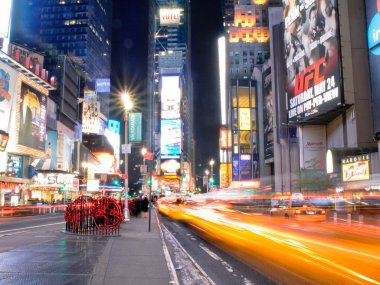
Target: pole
pixel 207 184
pixel 212 175
pixel 126 188
pixel 150 203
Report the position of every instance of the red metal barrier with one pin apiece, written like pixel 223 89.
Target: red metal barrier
pixel 89 216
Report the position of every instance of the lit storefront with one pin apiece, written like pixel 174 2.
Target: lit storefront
pixel 22 128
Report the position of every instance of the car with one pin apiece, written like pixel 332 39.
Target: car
pixel 299 210
pixel 369 205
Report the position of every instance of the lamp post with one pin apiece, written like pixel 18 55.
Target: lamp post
pixel 212 162
pixel 143 152
pixel 128 105
pixel 207 173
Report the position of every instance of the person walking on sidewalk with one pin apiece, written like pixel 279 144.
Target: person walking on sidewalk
pixel 144 206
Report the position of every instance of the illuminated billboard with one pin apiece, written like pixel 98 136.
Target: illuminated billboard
pixel 8 82
pixel 32 124
pixel 90 119
pixel 355 168
pixel 170 167
pixel 103 85
pixel 170 16
pixel 5 23
pixel 373 38
pixel 170 138
pixel 313 82
pixel 170 97
pixel 244 119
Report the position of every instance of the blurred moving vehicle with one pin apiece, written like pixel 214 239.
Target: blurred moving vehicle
pixel 298 209
pixel 369 205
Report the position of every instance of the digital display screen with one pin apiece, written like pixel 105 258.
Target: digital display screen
pixel 170 138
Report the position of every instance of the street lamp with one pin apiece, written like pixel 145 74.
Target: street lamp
pixel 212 162
pixel 143 152
pixel 128 105
pixel 207 173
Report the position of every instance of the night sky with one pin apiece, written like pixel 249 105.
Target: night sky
pixel 129 65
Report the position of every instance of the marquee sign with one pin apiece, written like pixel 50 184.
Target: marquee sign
pixel 355 168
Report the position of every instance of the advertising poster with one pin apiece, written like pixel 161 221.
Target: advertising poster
pixel 51 148
pixel 312 53
pixel 8 82
pixel 244 119
pixel 314 147
pixel 5 23
pixel 268 114
pixel 170 138
pixel 235 167
pixel 170 97
pixel 245 167
pixel 134 127
pixel 32 127
pixel 225 175
pixel 373 38
pixel 90 119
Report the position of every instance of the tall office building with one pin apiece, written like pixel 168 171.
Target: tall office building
pixel 169 131
pixel 247 49
pixel 80 30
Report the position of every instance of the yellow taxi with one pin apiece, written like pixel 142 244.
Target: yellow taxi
pixel 299 210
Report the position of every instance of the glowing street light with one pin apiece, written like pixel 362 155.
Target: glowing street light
pixel 212 162
pixel 128 105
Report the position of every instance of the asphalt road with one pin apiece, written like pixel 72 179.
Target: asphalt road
pixel 35 250
pixel 198 262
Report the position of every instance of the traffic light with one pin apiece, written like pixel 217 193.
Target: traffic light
pixel 62 189
pixel 116 182
pixel 212 180
pixel 149 181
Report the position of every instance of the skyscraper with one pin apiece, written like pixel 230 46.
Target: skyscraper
pixel 169 129
pixel 79 29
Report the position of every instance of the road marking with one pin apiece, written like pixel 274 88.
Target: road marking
pixel 169 262
pixel 226 265
pixel 189 256
pixel 15 233
pixel 33 227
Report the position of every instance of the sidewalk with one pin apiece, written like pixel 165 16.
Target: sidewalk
pixel 136 257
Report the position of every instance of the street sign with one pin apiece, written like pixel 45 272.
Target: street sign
pixel 148 156
pixel 126 148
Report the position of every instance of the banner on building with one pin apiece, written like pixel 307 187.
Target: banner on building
pixel 373 38
pixel 268 114
pixel 32 124
pixel 90 119
pixel 8 95
pixel 313 83
pixel 135 127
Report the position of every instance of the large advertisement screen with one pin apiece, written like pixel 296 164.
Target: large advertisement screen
pixel 8 95
pixel 32 127
pixel 268 114
pixel 90 119
pixel 103 85
pixel 312 53
pixel 373 38
pixel 170 97
pixel 170 138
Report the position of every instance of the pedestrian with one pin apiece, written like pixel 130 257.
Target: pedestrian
pixel 144 206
